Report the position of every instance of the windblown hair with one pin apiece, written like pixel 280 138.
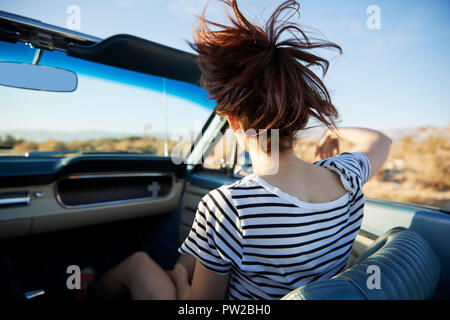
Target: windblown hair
pixel 264 80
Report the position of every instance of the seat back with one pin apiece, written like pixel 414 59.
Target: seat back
pixel 408 269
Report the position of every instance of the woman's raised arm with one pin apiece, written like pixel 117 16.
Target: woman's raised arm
pixel 374 144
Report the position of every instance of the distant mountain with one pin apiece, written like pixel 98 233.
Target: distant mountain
pixel 417 132
pixel 43 135
pixel 314 133
pixel 395 134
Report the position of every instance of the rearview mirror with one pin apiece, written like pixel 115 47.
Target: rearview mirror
pixel 36 77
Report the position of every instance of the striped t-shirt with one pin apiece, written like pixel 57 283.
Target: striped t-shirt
pixel 271 242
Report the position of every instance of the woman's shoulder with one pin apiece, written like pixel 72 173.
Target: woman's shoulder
pixel 353 168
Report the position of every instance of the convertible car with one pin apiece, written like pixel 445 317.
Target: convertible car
pixel 93 207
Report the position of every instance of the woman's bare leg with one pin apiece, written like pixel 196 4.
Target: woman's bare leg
pixel 188 263
pixel 180 278
pixel 139 275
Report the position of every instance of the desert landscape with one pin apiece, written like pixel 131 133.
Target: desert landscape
pixel 417 169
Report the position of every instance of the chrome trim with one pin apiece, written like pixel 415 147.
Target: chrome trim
pixel 204 144
pixel 16 200
pixel 33 294
pixel 37 56
pixel 110 175
pixel 117 175
pixel 367 234
pixel 47 27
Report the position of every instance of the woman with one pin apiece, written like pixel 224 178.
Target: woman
pixel 291 222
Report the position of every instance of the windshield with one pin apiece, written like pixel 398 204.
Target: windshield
pixel 112 110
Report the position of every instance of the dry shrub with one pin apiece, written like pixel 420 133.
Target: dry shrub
pixel 52 145
pixel 427 160
pixel 26 146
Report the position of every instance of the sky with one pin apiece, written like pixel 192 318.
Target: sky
pixel 394 69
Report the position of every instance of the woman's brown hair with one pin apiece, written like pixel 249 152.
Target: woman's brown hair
pixel 264 80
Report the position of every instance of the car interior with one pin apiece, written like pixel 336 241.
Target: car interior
pixel 95 209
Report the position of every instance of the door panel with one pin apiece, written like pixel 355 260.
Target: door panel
pixel 192 196
pixel 198 185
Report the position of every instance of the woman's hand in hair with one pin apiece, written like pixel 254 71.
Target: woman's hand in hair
pixel 328 146
pixel 374 144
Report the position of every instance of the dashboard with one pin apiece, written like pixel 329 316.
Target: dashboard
pixel 40 195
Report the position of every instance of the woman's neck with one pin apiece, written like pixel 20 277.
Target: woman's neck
pixel 275 163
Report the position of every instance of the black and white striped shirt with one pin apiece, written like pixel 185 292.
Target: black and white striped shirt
pixel 271 242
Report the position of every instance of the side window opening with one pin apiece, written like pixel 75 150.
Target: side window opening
pixel 223 154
